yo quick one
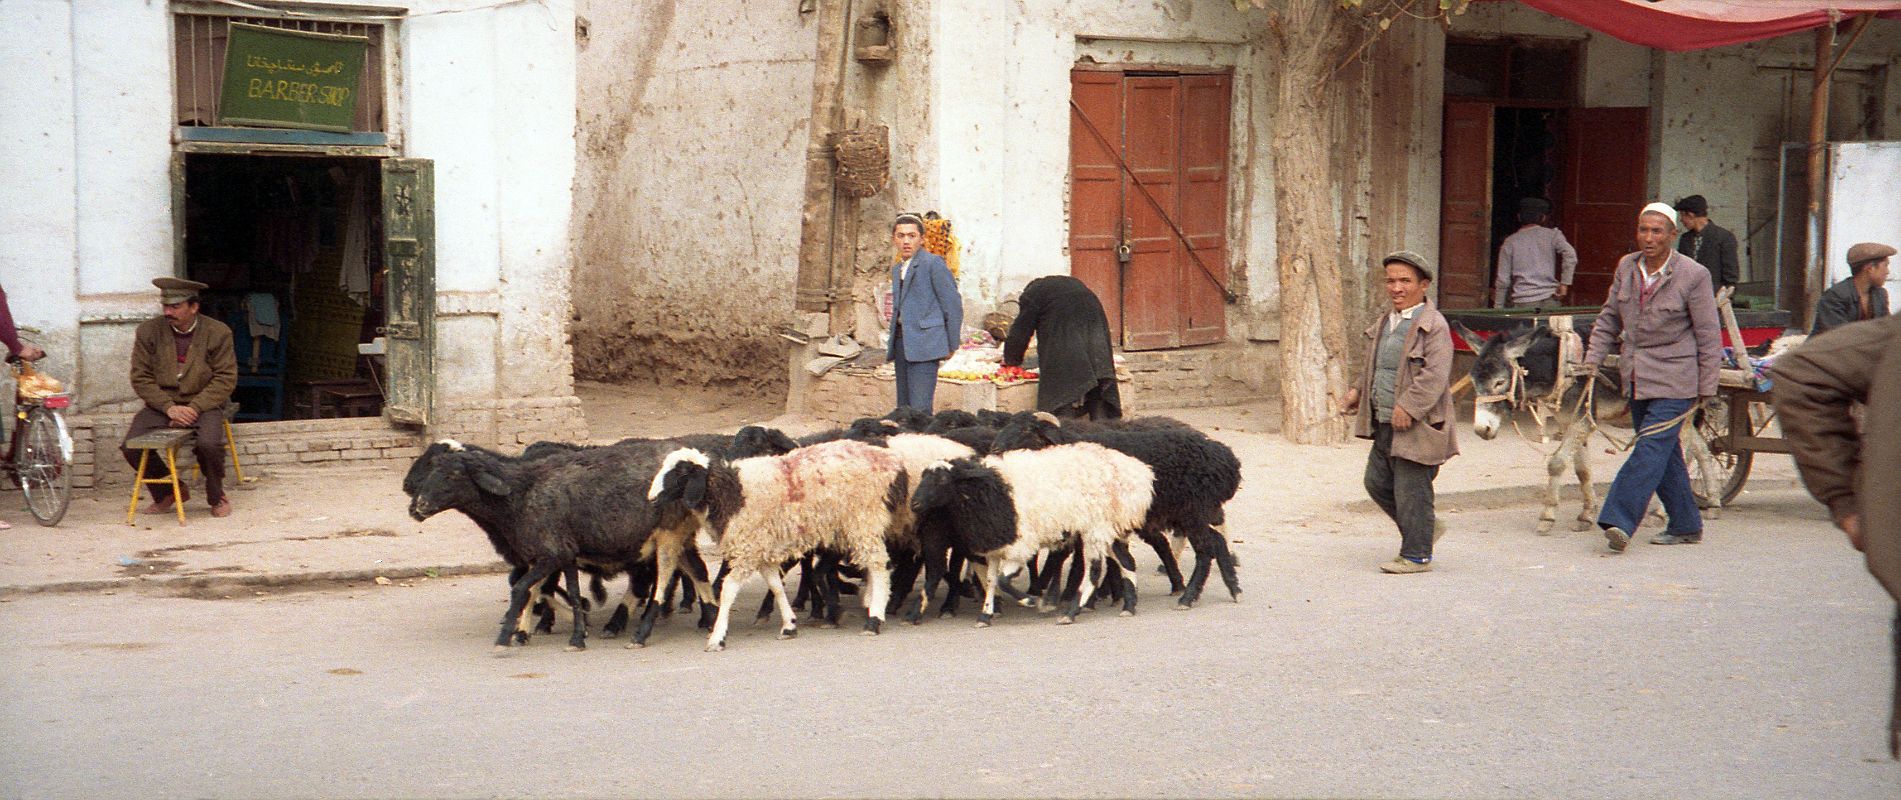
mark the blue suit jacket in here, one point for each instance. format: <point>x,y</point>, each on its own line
<point>930,312</point>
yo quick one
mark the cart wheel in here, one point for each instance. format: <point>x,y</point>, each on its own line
<point>1728,470</point>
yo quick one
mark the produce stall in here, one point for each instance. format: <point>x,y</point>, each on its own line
<point>973,379</point>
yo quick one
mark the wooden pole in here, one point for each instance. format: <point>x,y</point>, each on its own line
<point>817,215</point>
<point>1815,282</point>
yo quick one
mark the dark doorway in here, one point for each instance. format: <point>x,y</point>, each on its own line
<point>291,247</point>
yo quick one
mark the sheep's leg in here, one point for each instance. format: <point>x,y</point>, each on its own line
<point>1224,558</point>
<point>1090,567</point>
<point>903,579</point>
<point>765,603</point>
<point>955,582</point>
<point>695,566</point>
<point>1050,591</point>
<point>933,563</point>
<point>827,607</point>
<point>665,562</point>
<point>577,640</point>
<point>788,621</point>
<point>1125,562</point>
<point>1170,566</point>
<point>878,593</point>
<point>1581,463</point>
<point>518,600</point>
<point>731,580</point>
<point>1204,559</point>
<point>988,577</point>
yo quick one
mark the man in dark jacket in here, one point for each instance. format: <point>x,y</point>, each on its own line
<point>1077,376</point>
<point>1861,295</point>
<point>1707,243</point>
<point>184,369</point>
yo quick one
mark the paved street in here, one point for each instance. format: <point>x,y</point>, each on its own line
<point>1753,665</point>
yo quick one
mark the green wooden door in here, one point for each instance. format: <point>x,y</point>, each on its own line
<point>409,257</point>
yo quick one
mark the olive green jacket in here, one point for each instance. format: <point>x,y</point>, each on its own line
<point>204,381</point>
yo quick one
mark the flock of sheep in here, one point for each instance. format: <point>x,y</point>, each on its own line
<point>884,500</point>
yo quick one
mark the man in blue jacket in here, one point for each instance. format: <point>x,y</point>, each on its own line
<point>927,314</point>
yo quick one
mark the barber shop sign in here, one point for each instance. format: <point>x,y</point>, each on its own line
<point>278,78</point>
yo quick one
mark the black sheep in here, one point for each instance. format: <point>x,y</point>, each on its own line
<point>1194,477</point>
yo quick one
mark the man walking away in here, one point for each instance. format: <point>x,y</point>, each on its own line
<point>1707,243</point>
<point>1853,474</point>
<point>1535,264</point>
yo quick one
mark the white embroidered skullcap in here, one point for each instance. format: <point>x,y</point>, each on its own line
<point>1664,209</point>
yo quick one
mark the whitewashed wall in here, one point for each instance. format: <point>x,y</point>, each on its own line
<point>86,194</point>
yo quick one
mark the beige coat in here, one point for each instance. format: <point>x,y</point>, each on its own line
<point>1422,387</point>
<point>1671,346</point>
<point>210,370</point>
<point>1815,383</point>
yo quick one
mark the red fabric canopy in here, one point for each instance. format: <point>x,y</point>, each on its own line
<point>1699,24</point>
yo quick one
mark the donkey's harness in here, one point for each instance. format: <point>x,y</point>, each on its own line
<point>1551,404</point>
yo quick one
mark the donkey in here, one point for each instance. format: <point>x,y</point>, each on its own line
<point>1515,372</point>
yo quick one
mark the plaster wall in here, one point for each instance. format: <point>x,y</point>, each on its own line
<point>692,121</point>
<point>486,93</point>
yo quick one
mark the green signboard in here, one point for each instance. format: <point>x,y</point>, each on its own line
<point>278,78</point>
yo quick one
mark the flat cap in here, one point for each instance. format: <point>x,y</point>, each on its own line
<point>177,290</point>
<point>1868,251</point>
<point>1409,257</point>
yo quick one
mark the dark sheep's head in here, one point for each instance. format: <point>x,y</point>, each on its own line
<point>910,419</point>
<point>412,480</point>
<point>451,480</point>
<point>935,489</point>
<point>1033,432</point>
<point>994,419</point>
<point>754,440</point>
<point>872,429</point>
<point>952,418</point>
<point>680,485</point>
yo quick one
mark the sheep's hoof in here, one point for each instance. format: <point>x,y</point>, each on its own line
<point>983,620</point>
<point>1126,613</point>
<point>1236,594</point>
<point>574,648</point>
<point>501,650</point>
<point>1175,591</point>
<point>827,625</point>
<point>1028,602</point>
<point>788,633</point>
<point>1066,619</point>
<point>1184,605</point>
<point>521,637</point>
<point>873,626</point>
<point>636,645</point>
<point>715,647</point>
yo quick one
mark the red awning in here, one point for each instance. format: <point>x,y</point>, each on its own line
<point>1699,24</point>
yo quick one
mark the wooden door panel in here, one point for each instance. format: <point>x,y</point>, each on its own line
<point>1605,174</point>
<point>1204,206</point>
<point>1465,227</point>
<point>1151,301</point>
<point>1095,199</point>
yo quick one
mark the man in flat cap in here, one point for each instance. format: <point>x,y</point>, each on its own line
<point>1535,264</point>
<point>1708,243</point>
<point>184,369</point>
<point>1861,295</point>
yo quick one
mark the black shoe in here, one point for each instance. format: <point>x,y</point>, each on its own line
<point>1677,538</point>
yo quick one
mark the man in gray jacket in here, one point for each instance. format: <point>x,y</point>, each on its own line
<point>1660,317</point>
<point>1535,264</point>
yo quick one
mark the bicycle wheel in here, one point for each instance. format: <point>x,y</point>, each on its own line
<point>41,462</point>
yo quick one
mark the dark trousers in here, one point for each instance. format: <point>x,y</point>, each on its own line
<point>209,448</point>
<point>1403,489</point>
<point>917,380</point>
<point>1655,467</point>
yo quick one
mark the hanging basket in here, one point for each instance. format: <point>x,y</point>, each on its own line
<point>864,160</point>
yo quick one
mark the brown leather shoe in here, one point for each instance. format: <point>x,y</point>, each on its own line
<point>222,508</point>
<point>165,506</point>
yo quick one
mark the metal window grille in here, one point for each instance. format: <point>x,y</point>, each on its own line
<point>198,53</point>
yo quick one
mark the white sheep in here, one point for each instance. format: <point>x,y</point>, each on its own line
<point>762,512</point>
<point>1010,506</point>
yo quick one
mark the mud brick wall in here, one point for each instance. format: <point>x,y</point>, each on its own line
<point>510,424</point>
<point>1204,376</point>
<point>260,446</point>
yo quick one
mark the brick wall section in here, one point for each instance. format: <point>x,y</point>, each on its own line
<point>504,424</point>
<point>1223,374</point>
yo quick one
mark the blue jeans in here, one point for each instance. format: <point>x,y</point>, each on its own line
<point>1656,468</point>
<point>917,380</point>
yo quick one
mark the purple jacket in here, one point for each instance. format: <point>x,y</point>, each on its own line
<point>1669,346</point>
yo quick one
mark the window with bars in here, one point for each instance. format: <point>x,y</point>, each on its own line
<point>198,45</point>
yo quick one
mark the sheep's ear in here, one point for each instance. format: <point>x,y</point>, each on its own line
<point>780,440</point>
<point>695,491</point>
<point>490,482</point>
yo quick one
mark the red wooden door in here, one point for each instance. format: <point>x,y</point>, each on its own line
<point>1605,171</point>
<point>1170,132</point>
<point>1465,221</point>
<point>1095,189</point>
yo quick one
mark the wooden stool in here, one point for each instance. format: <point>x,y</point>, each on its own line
<point>165,442</point>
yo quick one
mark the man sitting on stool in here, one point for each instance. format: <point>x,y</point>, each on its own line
<point>184,369</point>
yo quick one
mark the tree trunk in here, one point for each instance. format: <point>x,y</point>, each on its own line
<point>1313,345</point>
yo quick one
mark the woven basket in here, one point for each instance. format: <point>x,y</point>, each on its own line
<point>864,160</point>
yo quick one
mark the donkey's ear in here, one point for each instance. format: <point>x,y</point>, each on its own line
<point>1465,334</point>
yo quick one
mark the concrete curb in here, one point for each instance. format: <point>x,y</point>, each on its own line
<point>183,584</point>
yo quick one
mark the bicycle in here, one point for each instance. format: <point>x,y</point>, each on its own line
<point>39,455</point>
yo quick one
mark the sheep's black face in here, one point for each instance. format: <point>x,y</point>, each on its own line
<point>909,419</point>
<point>681,488</point>
<point>951,418</point>
<point>754,440</point>
<point>872,430</point>
<point>934,490</point>
<point>445,487</point>
<point>412,481</point>
<point>1028,434</point>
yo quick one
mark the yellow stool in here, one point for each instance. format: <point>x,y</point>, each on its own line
<point>165,442</point>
